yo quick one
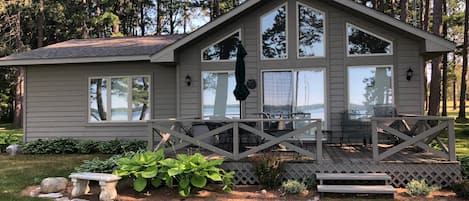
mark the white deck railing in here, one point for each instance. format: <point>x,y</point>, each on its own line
<point>417,131</point>
<point>177,133</point>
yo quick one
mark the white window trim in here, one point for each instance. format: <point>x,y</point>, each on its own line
<point>369,66</point>
<point>298,4</point>
<point>129,99</point>
<point>370,33</point>
<point>293,70</point>
<point>262,57</point>
<point>202,89</point>
<point>218,41</point>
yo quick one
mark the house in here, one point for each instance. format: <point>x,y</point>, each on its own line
<point>332,60</point>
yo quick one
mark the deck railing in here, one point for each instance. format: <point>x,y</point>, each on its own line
<point>422,132</point>
<point>179,134</point>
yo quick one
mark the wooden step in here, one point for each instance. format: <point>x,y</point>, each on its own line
<point>357,176</point>
<point>380,189</point>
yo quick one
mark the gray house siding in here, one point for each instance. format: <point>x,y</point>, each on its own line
<point>57,99</point>
<point>408,95</point>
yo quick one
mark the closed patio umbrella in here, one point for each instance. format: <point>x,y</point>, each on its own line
<point>241,91</point>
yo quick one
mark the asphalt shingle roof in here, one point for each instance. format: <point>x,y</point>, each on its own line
<point>100,47</point>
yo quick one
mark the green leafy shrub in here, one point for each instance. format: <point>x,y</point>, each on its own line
<point>419,188</point>
<point>87,147</point>
<point>293,187</point>
<point>269,169</point>
<point>194,171</point>
<point>462,189</point>
<point>464,166</point>
<point>8,139</point>
<point>102,166</point>
<point>66,146</point>
<point>143,167</point>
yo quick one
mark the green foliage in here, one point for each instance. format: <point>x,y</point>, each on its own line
<point>419,188</point>
<point>293,187</point>
<point>269,169</point>
<point>462,189</point>
<point>6,140</point>
<point>69,146</point>
<point>102,166</point>
<point>194,171</point>
<point>464,166</point>
<point>310,182</point>
<point>143,167</point>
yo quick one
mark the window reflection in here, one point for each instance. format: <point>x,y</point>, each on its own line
<point>369,87</point>
<point>140,98</point>
<point>223,50</point>
<point>310,32</point>
<point>274,34</point>
<point>362,43</point>
<point>98,100</point>
<point>218,98</point>
<point>119,98</point>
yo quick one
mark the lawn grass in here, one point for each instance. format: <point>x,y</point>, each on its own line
<point>18,172</point>
<point>7,129</point>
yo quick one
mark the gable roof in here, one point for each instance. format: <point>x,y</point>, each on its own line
<point>93,50</point>
<point>433,43</point>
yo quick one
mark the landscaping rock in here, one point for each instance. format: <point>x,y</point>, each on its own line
<point>78,199</point>
<point>263,191</point>
<point>51,195</point>
<point>53,184</point>
<point>13,149</point>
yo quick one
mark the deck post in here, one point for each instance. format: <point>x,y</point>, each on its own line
<point>236,140</point>
<point>318,142</point>
<point>374,140</point>
<point>451,140</point>
<point>151,137</point>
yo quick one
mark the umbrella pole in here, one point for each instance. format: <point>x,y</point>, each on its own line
<point>242,109</point>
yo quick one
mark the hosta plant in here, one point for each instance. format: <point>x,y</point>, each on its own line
<point>143,167</point>
<point>194,171</point>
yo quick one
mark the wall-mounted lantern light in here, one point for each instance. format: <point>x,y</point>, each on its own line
<point>410,74</point>
<point>188,80</point>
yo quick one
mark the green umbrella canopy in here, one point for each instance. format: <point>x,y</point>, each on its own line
<point>241,91</point>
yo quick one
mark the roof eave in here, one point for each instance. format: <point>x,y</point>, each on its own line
<point>30,62</point>
<point>167,54</point>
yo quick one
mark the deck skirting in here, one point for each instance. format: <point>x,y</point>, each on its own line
<point>442,174</point>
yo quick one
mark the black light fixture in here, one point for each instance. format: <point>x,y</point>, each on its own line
<point>188,80</point>
<point>410,74</point>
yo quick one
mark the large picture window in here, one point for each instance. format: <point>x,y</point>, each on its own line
<point>310,32</point>
<point>120,98</point>
<point>362,43</point>
<point>223,50</point>
<point>369,87</point>
<point>274,34</point>
<point>294,91</point>
<point>218,100</point>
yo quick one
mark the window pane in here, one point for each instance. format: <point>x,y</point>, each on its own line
<point>369,87</point>
<point>360,42</point>
<point>310,93</point>
<point>311,32</point>
<point>140,98</point>
<point>224,50</point>
<point>119,98</point>
<point>98,100</point>
<point>218,98</point>
<point>274,34</point>
<point>278,92</point>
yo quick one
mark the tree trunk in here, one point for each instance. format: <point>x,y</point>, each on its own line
<point>391,8</point>
<point>404,8</point>
<point>18,117</point>
<point>444,111</point>
<point>142,18</point>
<point>462,95</point>
<point>85,33</point>
<point>426,15</point>
<point>158,17</point>
<point>40,26</point>
<point>435,84</point>
<point>455,105</point>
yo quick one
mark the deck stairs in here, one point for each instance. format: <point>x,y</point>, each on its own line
<point>355,183</point>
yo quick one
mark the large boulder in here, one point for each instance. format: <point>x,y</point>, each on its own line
<point>13,149</point>
<point>53,184</point>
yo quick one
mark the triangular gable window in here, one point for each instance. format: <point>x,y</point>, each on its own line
<point>363,43</point>
<point>223,50</point>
